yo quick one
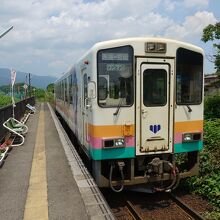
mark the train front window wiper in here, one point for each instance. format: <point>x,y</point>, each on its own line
<point>189,109</point>
<point>119,106</point>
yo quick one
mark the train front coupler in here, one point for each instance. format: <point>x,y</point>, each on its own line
<point>160,167</point>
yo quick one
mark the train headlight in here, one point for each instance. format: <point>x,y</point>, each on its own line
<point>155,47</point>
<point>161,47</point>
<point>189,137</point>
<point>151,47</point>
<point>120,142</point>
<point>113,143</point>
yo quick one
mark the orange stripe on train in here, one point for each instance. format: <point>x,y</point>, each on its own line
<point>111,130</point>
<point>188,126</point>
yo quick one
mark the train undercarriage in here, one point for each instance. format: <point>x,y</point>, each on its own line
<point>158,172</point>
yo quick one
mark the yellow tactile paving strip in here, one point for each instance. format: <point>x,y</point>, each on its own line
<point>36,206</point>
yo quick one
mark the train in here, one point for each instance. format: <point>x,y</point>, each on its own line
<point>135,107</point>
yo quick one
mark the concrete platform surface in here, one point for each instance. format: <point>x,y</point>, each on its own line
<point>46,179</point>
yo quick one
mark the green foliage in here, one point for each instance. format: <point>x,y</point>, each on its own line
<point>50,98</point>
<point>207,183</point>
<point>214,215</point>
<point>50,88</point>
<point>19,91</point>
<point>6,100</point>
<point>212,107</point>
<point>212,134</point>
<point>45,96</point>
<point>40,95</point>
<point>50,94</point>
<point>211,33</point>
<point>18,88</point>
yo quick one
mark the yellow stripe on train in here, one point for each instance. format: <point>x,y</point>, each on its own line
<point>188,126</point>
<point>111,130</point>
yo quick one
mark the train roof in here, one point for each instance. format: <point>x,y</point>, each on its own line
<point>131,41</point>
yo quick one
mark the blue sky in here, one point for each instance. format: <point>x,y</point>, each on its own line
<point>49,35</point>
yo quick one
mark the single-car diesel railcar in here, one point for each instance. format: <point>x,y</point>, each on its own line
<point>134,105</point>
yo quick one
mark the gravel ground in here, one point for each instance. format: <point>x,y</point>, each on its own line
<point>156,206</point>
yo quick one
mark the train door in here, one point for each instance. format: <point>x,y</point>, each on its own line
<point>155,110</point>
<point>85,110</point>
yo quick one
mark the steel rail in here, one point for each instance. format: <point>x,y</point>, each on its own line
<point>194,214</point>
<point>133,211</point>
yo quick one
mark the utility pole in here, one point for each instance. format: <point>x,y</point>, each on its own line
<point>25,87</point>
<point>29,75</point>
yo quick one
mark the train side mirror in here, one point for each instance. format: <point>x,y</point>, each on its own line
<point>91,90</point>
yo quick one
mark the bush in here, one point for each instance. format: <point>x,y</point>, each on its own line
<point>207,183</point>
<point>6,100</point>
<point>212,107</point>
<point>49,96</point>
<point>40,95</point>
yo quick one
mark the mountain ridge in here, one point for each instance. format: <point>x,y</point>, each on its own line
<point>36,80</point>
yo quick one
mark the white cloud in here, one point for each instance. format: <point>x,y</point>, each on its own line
<point>192,27</point>
<point>49,35</point>
<point>198,21</point>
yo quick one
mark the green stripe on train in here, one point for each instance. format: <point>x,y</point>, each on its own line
<point>113,153</point>
<point>188,147</point>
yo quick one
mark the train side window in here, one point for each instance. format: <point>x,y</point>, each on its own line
<point>103,88</point>
<point>85,82</point>
<point>65,90</point>
<point>62,90</point>
<point>70,89</point>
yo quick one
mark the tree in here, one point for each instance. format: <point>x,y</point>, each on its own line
<point>212,33</point>
<point>50,87</point>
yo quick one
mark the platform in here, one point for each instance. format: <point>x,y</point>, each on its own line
<point>46,179</point>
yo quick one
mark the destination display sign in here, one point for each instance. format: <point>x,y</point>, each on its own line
<point>116,67</point>
<point>115,56</point>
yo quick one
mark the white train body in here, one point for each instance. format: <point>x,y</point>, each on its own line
<point>134,100</point>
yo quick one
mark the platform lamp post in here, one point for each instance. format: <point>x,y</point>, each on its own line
<point>13,75</point>
<point>4,33</point>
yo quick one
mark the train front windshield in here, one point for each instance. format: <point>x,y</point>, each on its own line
<point>189,77</point>
<point>115,77</point>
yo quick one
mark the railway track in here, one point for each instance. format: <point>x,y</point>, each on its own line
<point>189,211</point>
<point>133,211</point>
<point>192,214</point>
<point>137,206</point>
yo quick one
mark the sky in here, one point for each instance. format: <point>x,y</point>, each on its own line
<point>50,35</point>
